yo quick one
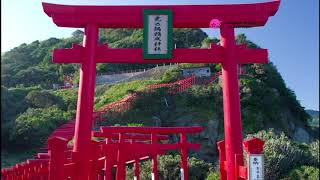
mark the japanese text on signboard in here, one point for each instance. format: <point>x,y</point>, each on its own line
<point>256,167</point>
<point>158,34</point>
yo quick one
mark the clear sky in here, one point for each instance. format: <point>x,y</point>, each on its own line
<point>292,35</point>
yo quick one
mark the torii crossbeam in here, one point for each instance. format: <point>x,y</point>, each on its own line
<point>183,16</point>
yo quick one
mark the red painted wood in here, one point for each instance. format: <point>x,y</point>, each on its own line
<point>184,156</point>
<point>222,158</point>
<point>121,153</point>
<point>137,169</point>
<point>129,136</point>
<point>231,101</point>
<point>154,157</point>
<point>83,126</point>
<point>56,152</point>
<point>239,15</point>
<point>76,54</point>
<point>253,145</point>
<point>121,169</point>
<point>149,130</point>
<point>93,17</point>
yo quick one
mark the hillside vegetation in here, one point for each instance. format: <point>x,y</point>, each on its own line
<point>31,109</point>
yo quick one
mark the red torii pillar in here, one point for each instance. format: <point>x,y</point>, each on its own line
<point>83,126</point>
<point>93,17</point>
<point>231,99</point>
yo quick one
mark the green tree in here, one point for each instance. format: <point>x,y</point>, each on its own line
<point>43,99</point>
<point>78,34</point>
<point>34,126</point>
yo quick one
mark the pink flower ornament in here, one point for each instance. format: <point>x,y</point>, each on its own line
<point>215,23</point>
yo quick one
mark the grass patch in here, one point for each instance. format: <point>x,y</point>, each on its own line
<point>118,91</point>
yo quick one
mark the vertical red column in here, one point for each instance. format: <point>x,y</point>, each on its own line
<point>154,174</point>
<point>136,170</point>
<point>136,166</point>
<point>121,164</point>
<point>231,100</point>
<point>82,137</point>
<point>184,157</point>
<point>57,147</point>
<point>108,162</point>
<point>222,158</point>
<point>95,152</point>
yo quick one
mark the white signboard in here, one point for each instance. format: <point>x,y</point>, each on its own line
<point>157,33</point>
<point>182,174</point>
<point>255,167</point>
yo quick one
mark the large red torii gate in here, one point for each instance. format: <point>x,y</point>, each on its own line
<point>184,16</point>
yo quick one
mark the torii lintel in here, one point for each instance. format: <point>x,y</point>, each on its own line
<point>77,54</point>
<point>191,16</point>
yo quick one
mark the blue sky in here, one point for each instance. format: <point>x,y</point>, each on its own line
<point>291,36</point>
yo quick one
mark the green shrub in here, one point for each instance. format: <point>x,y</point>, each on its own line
<point>171,75</point>
<point>192,65</point>
<point>314,153</point>
<point>213,176</point>
<point>169,168</point>
<point>280,154</point>
<point>197,96</point>
<point>135,124</point>
<point>43,99</point>
<point>303,173</point>
<point>69,97</point>
<point>35,125</point>
<point>101,89</point>
<point>198,169</point>
<point>12,104</point>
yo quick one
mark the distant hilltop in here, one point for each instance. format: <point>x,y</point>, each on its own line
<point>313,113</point>
<point>314,117</point>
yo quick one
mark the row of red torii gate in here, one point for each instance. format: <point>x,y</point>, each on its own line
<point>124,145</point>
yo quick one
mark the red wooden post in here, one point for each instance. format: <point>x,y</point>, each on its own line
<point>30,169</point>
<point>136,166</point>
<point>4,173</point>
<point>154,174</point>
<point>82,136</point>
<point>25,170</point>
<point>238,158</point>
<point>9,173</point>
<point>12,173</point>
<point>94,160</point>
<point>184,157</point>
<point>18,171</point>
<point>107,163</point>
<point>222,158</point>
<point>136,169</point>
<point>231,100</point>
<point>121,165</point>
<point>57,147</point>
